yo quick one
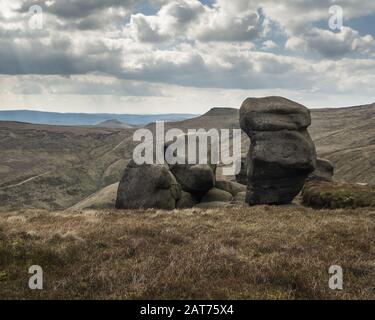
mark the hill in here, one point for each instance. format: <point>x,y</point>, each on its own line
<point>56,167</point>
<point>346,136</point>
<point>113,124</point>
<point>85,119</point>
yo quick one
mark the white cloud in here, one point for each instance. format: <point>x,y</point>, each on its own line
<point>182,52</point>
<point>172,20</point>
<point>333,44</point>
<point>296,44</point>
<point>219,24</point>
<point>194,21</point>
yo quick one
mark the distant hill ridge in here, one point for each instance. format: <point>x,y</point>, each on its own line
<point>221,112</point>
<point>86,119</point>
<point>113,124</point>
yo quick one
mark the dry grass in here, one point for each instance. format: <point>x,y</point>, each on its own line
<point>238,253</point>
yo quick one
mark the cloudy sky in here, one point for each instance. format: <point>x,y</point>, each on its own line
<point>183,56</point>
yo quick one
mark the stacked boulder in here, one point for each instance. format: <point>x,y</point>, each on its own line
<point>179,185</point>
<point>282,153</point>
<point>195,179</point>
<point>324,171</point>
<point>224,194</point>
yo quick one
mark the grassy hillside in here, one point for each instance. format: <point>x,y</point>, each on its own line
<point>347,137</point>
<point>55,167</point>
<point>260,252</point>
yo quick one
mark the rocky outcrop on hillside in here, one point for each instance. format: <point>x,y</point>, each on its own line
<point>173,186</point>
<point>282,154</point>
<point>280,158</point>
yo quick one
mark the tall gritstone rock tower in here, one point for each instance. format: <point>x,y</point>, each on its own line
<point>282,153</point>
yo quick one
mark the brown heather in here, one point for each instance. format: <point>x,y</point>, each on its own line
<point>233,253</point>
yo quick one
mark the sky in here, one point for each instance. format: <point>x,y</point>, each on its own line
<point>184,56</point>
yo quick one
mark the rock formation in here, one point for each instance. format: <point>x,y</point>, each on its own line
<point>187,200</point>
<point>241,177</point>
<point>217,195</point>
<point>194,178</point>
<point>324,171</point>
<point>282,154</point>
<point>166,186</point>
<point>280,158</point>
<point>147,186</point>
<point>240,197</point>
<point>232,187</point>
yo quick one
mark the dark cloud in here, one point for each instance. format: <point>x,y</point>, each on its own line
<point>56,58</point>
<point>76,85</point>
<point>240,72</point>
<point>75,9</point>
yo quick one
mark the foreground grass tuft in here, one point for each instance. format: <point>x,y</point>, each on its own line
<point>232,253</point>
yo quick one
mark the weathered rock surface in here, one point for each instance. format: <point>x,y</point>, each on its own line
<point>324,171</point>
<point>186,201</point>
<point>215,195</point>
<point>241,177</point>
<point>147,186</point>
<point>240,197</point>
<point>229,186</point>
<point>273,114</point>
<point>193,178</point>
<point>281,154</point>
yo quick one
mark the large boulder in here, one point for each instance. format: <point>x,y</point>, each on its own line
<point>196,178</point>
<point>273,114</point>
<point>147,186</point>
<point>229,186</point>
<point>282,153</point>
<point>186,201</point>
<point>324,171</point>
<point>217,195</point>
